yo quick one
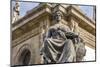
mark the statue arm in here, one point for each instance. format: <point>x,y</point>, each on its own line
<point>71,35</point>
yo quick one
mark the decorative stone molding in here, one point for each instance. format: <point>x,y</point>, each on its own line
<point>25,37</point>
<point>82,20</point>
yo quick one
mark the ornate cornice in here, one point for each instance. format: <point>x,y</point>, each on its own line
<point>25,37</point>
<point>41,9</point>
<point>82,19</point>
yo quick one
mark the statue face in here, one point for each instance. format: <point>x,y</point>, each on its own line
<point>58,16</point>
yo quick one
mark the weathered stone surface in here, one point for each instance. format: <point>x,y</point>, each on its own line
<point>27,31</point>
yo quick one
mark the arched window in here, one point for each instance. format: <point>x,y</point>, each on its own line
<point>25,56</point>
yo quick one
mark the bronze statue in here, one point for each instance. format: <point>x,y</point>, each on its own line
<point>60,42</point>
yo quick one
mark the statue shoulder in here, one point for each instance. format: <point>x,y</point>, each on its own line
<point>53,27</point>
<point>65,26</point>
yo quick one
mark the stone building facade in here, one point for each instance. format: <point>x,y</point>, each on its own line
<point>27,31</point>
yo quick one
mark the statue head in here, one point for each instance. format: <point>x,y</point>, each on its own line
<point>58,16</point>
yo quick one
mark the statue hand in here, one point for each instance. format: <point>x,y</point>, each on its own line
<point>71,35</point>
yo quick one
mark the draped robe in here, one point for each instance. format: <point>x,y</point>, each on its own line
<point>57,48</point>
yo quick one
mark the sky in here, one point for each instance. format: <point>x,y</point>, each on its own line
<point>88,10</point>
<point>26,6</point>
